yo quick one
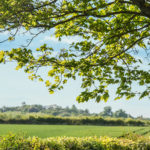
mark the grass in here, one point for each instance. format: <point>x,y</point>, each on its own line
<point>44,131</point>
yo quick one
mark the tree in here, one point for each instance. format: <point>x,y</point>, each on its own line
<point>107,112</point>
<point>121,113</point>
<point>110,33</point>
<point>74,109</point>
<point>23,103</point>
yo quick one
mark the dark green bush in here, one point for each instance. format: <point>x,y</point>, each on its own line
<point>47,119</point>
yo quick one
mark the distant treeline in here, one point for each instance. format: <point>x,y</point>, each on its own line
<point>53,110</point>
<point>37,118</point>
<point>56,110</point>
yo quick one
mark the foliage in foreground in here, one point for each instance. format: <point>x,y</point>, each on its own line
<point>15,142</point>
<point>38,118</point>
<point>110,33</point>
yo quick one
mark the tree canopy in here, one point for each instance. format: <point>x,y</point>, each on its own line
<point>112,34</point>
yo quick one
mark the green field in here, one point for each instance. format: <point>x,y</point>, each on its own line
<point>44,131</point>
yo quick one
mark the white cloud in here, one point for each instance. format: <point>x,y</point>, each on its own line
<point>65,40</point>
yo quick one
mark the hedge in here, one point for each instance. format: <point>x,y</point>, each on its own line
<point>14,142</point>
<point>46,119</point>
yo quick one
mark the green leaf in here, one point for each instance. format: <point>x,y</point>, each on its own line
<point>47,82</point>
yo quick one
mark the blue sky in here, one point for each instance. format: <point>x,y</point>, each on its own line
<point>15,87</point>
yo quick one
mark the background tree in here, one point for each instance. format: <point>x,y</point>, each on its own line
<point>121,113</point>
<point>107,112</point>
<point>23,103</point>
<point>110,34</point>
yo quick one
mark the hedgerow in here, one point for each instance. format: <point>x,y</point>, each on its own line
<point>37,118</point>
<point>15,142</point>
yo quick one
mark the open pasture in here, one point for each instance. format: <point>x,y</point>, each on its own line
<point>44,131</point>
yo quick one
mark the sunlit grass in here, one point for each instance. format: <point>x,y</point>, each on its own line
<point>44,131</point>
